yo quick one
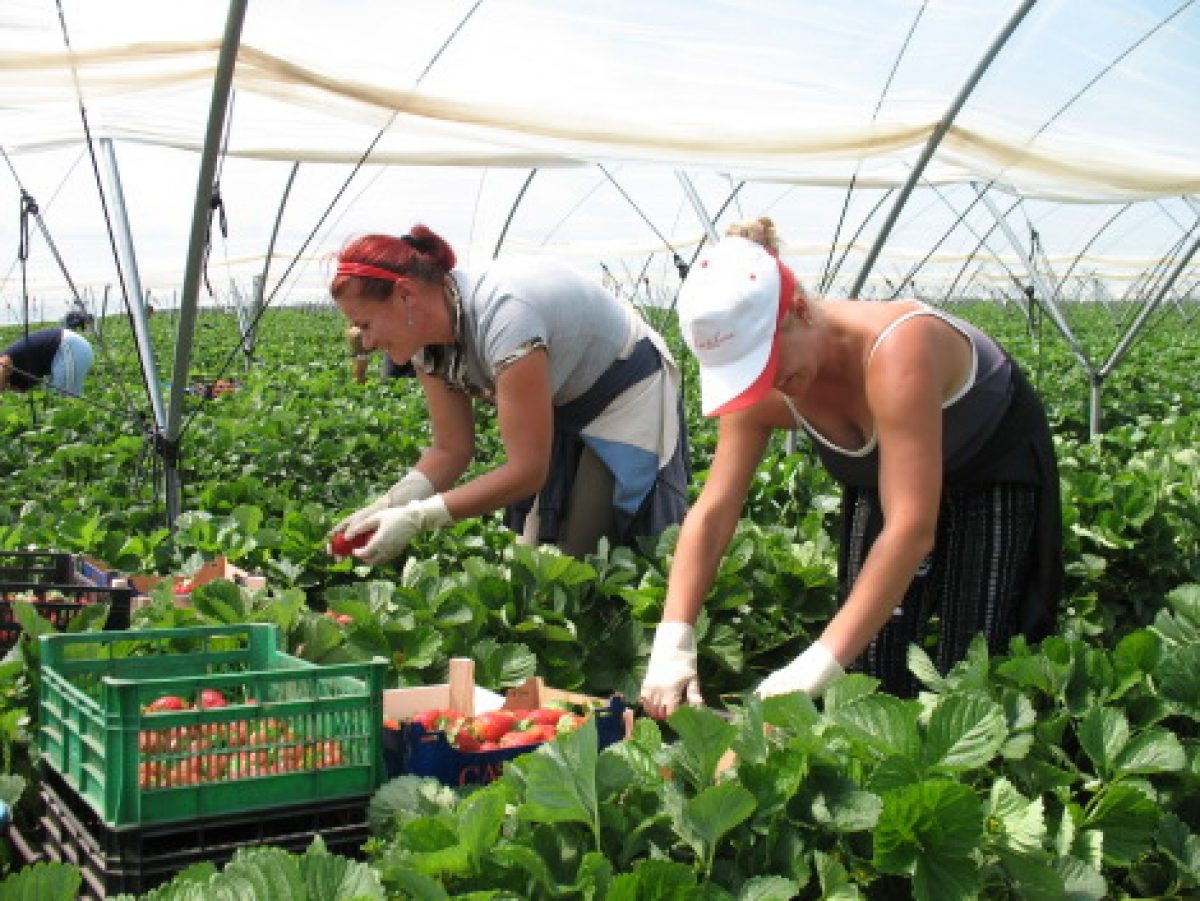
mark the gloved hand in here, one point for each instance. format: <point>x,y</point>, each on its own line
<point>671,675</point>
<point>809,673</point>
<point>413,487</point>
<point>395,527</point>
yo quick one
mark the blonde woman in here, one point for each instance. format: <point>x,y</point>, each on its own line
<point>950,487</point>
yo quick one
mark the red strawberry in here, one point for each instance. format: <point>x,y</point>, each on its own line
<point>465,741</point>
<point>547,716</point>
<point>519,739</point>
<point>210,697</point>
<point>341,546</point>
<point>429,720</point>
<point>492,725</point>
<point>165,703</point>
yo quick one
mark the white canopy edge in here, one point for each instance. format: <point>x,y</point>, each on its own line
<point>154,93</point>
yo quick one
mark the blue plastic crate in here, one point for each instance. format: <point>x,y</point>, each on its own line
<point>414,750</point>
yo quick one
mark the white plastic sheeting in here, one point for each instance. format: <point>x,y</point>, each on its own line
<point>1088,103</point>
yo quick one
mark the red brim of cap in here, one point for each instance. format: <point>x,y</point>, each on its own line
<point>759,388</point>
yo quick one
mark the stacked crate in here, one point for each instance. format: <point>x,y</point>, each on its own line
<point>59,586</point>
<point>133,796</point>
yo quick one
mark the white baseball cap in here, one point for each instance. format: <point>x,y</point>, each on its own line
<point>730,306</point>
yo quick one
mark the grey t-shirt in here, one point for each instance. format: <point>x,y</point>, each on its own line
<point>517,303</point>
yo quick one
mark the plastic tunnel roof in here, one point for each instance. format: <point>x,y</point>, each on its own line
<point>1087,115</point>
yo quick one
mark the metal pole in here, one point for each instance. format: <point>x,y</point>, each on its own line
<point>1123,346</point>
<point>125,248</point>
<point>260,282</point>
<point>222,83</point>
<point>512,213</point>
<point>935,139</point>
<point>694,199</point>
<point>1046,294</point>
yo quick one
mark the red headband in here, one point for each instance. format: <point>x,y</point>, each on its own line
<point>365,270</point>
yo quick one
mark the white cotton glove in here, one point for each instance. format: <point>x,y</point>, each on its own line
<point>395,527</point>
<point>413,487</point>
<point>809,673</point>
<point>671,675</point>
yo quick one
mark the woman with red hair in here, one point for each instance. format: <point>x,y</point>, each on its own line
<point>586,396</point>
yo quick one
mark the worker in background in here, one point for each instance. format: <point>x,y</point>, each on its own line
<point>57,357</point>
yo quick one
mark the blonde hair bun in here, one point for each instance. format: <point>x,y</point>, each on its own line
<point>761,231</point>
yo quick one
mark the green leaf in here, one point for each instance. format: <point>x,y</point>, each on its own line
<point>1033,877</point>
<point>965,730</point>
<point>559,779</point>
<point>835,881</point>
<point>1081,882</point>
<point>1181,624</point>
<point>222,601</point>
<point>794,712</point>
<point>416,886</point>
<point>838,803</point>
<point>921,666</point>
<point>768,888</point>
<point>264,872</point>
<point>933,823</point>
<point>1015,823</point>
<point>1102,735</point>
<point>848,689</point>
<point>480,819</point>
<point>894,772</point>
<point>724,644</point>
<point>1021,719</point>
<point>42,882</point>
<point>1154,750</point>
<point>333,876</point>
<point>503,665</point>
<point>527,860</point>
<point>704,820</point>
<point>704,739</point>
<point>1128,821</point>
<point>1178,842</point>
<point>883,723</point>
<point>1178,676</point>
<point>660,880</point>
<point>12,786</point>
<point>941,878</point>
<point>405,798</point>
<point>775,781</point>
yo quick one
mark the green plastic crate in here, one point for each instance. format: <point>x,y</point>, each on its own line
<point>293,731</point>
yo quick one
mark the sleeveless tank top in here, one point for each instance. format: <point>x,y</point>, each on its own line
<point>969,416</point>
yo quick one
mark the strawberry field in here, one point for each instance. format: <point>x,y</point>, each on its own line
<point>1069,769</point>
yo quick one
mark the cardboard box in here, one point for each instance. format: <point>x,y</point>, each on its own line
<point>460,693</point>
<point>217,568</point>
<point>411,749</point>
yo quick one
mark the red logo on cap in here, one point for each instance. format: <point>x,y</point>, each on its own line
<point>715,341</point>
